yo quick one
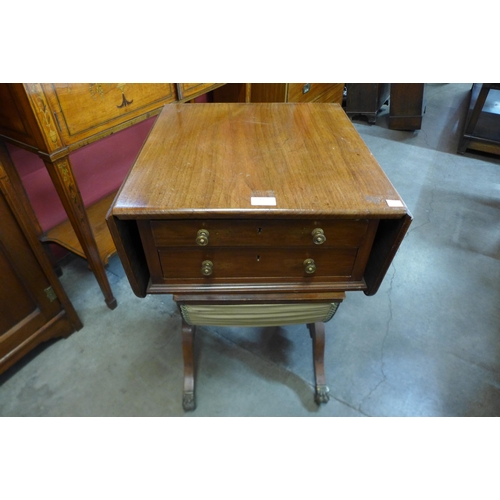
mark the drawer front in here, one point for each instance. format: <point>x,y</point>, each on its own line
<point>310,92</point>
<point>83,108</point>
<point>259,233</point>
<point>190,90</point>
<point>256,263</point>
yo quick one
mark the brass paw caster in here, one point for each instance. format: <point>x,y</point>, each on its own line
<point>188,401</point>
<point>321,395</point>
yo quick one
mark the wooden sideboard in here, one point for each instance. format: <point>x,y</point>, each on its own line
<point>366,99</point>
<point>280,92</point>
<point>406,103</point>
<point>54,120</point>
<point>407,106</point>
<point>33,305</point>
<point>242,205</point>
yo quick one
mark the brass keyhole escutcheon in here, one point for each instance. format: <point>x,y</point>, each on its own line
<point>309,266</point>
<point>318,236</point>
<point>202,238</point>
<point>207,267</point>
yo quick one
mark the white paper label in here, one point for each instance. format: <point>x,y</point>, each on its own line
<point>263,200</point>
<point>395,203</point>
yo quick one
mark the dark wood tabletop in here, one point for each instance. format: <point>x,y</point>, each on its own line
<point>218,160</point>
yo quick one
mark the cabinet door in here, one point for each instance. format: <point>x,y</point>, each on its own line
<point>366,98</point>
<point>407,106</point>
<point>31,303</point>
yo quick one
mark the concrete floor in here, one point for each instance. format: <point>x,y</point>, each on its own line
<point>427,344</point>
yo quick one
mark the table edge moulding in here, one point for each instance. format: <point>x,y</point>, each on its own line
<point>256,214</point>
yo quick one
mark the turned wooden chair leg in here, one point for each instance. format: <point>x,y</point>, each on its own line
<point>317,331</point>
<point>188,399</point>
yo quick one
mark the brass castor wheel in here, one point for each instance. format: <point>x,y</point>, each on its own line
<point>188,401</point>
<point>321,395</point>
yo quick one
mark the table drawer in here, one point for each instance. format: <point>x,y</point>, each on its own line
<point>260,233</point>
<point>259,263</point>
<point>315,92</point>
<point>82,107</point>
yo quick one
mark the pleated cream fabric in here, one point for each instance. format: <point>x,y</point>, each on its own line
<point>257,314</point>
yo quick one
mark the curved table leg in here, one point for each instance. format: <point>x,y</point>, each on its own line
<point>188,399</point>
<point>317,331</point>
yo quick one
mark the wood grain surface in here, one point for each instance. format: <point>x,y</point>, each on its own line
<point>210,160</point>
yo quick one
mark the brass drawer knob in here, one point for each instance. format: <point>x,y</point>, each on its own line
<point>202,237</point>
<point>318,236</point>
<point>309,266</point>
<point>207,267</point>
